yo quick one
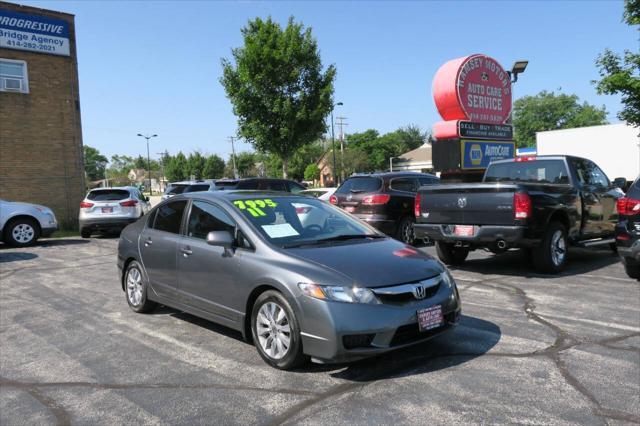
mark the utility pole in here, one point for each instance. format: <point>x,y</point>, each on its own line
<point>233,155</point>
<point>147,137</point>
<point>333,146</point>
<point>341,123</point>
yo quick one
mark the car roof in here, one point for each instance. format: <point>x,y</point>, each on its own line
<point>393,174</point>
<point>126,188</point>
<point>234,194</point>
<point>541,157</point>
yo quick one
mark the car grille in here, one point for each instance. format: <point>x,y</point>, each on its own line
<point>353,341</point>
<point>402,298</point>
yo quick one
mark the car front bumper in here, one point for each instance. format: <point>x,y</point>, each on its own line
<point>109,223</point>
<point>381,222</point>
<point>47,231</point>
<point>483,235</point>
<point>328,328</point>
<point>630,254</point>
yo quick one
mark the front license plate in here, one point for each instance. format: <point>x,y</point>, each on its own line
<point>350,209</point>
<point>107,210</point>
<point>463,230</point>
<point>430,318</point>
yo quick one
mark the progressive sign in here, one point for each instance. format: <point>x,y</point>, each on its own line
<point>34,33</point>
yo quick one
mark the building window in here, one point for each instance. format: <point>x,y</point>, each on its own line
<point>13,76</point>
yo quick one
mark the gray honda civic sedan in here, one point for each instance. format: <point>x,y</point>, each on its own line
<point>297,276</point>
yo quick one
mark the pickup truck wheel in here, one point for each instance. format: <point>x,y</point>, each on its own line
<point>551,256</point>
<point>451,255</point>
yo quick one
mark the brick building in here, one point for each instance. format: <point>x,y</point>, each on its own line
<point>41,157</point>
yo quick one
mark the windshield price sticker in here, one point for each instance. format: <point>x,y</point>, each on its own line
<point>254,207</point>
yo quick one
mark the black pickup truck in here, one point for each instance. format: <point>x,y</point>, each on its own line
<point>543,204</point>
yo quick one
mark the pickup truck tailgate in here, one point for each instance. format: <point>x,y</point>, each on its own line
<point>467,204</point>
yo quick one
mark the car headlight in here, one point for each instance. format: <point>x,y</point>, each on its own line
<point>339,293</point>
<point>447,279</point>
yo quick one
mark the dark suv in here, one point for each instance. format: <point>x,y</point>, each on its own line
<point>628,230</point>
<point>384,200</point>
<point>269,184</point>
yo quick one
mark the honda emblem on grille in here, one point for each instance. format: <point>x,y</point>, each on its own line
<point>419,292</point>
<point>462,202</point>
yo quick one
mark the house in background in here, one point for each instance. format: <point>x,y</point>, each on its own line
<point>418,160</point>
<point>325,164</point>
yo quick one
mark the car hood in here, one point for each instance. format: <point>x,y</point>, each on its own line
<point>375,263</point>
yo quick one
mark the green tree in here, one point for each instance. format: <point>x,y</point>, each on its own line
<point>94,163</point>
<point>245,164</point>
<point>304,156</point>
<point>195,165</point>
<point>176,168</point>
<point>356,160</point>
<point>620,74</point>
<point>213,167</point>
<point>278,88</point>
<point>550,111</point>
<point>312,172</point>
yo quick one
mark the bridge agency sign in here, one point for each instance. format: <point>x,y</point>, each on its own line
<point>34,33</point>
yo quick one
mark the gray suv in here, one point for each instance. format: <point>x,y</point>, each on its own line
<point>329,287</point>
<point>111,209</point>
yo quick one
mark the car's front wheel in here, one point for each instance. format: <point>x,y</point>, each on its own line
<point>275,331</point>
<point>22,232</point>
<point>136,288</point>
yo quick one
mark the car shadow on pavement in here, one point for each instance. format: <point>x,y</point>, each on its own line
<point>16,257</point>
<point>518,263</point>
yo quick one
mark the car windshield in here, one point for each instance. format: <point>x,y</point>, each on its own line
<point>176,189</point>
<point>534,171</point>
<point>229,184</point>
<point>108,195</point>
<point>313,192</point>
<point>301,221</point>
<point>360,184</point>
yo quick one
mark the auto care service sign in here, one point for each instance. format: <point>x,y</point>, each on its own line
<point>474,88</point>
<point>34,33</point>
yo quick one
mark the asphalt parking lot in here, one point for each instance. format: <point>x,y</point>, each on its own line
<point>529,349</point>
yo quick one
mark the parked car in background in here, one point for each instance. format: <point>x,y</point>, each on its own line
<point>334,290</point>
<point>628,230</point>
<point>320,193</point>
<point>21,224</point>
<point>175,188</point>
<point>543,204</point>
<point>384,200</point>
<point>270,184</point>
<point>200,186</point>
<point>111,209</point>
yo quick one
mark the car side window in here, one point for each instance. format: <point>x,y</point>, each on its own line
<point>168,217</point>
<point>152,218</point>
<point>276,185</point>
<point>205,218</point>
<point>590,174</point>
<point>403,184</point>
<point>295,188</point>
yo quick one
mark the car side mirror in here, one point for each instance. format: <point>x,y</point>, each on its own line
<point>620,182</point>
<point>220,238</point>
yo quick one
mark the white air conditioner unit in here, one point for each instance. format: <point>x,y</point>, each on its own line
<point>12,84</point>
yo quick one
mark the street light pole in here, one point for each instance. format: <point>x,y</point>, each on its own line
<point>147,137</point>
<point>333,146</point>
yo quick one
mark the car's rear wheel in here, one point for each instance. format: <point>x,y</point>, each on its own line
<point>85,233</point>
<point>136,287</point>
<point>633,271</point>
<point>406,231</point>
<point>22,232</point>
<point>551,256</point>
<point>275,331</point>
<point>451,255</point>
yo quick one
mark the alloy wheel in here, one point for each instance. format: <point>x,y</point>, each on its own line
<point>273,330</point>
<point>408,232</point>
<point>23,233</point>
<point>134,286</point>
<point>558,248</point>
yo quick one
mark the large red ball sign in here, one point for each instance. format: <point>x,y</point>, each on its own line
<point>474,88</point>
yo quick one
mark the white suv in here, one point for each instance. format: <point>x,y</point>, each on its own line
<point>21,224</point>
<point>111,209</point>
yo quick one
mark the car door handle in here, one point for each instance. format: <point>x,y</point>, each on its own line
<point>186,251</point>
<point>148,242</point>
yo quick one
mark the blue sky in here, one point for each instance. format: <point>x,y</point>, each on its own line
<point>154,66</point>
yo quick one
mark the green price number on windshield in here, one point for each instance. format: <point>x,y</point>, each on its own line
<point>255,207</point>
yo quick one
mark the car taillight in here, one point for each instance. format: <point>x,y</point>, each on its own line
<point>521,205</point>
<point>525,158</point>
<point>416,206</point>
<point>333,200</point>
<point>129,203</point>
<point>628,206</point>
<point>85,205</point>
<point>376,199</point>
